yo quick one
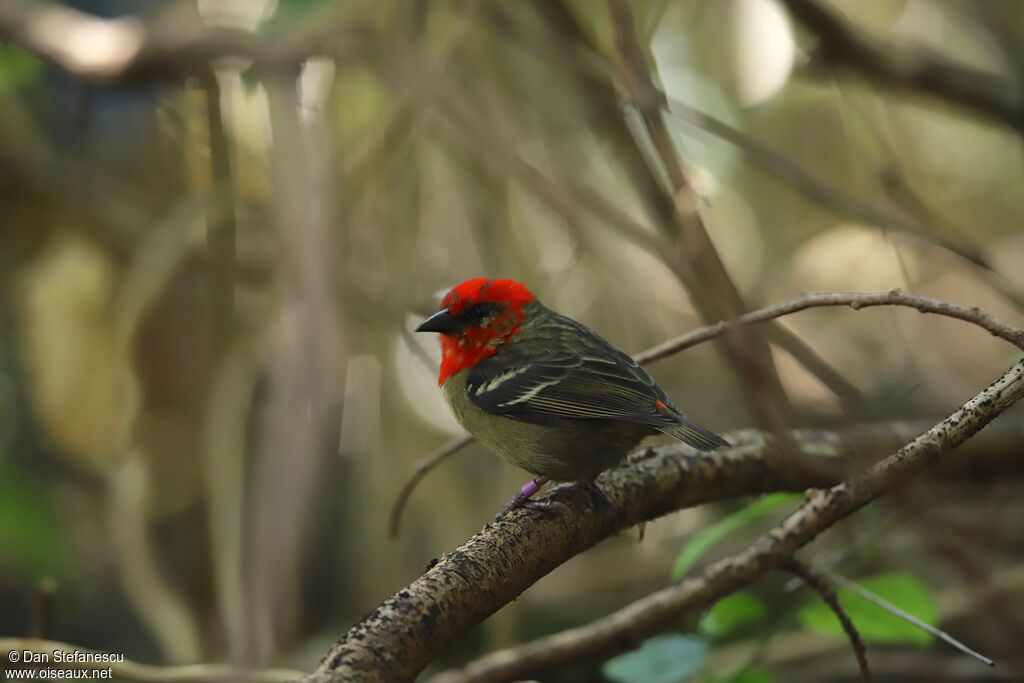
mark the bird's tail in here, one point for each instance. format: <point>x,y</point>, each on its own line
<point>692,433</point>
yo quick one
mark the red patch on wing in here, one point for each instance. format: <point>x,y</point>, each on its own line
<point>660,405</point>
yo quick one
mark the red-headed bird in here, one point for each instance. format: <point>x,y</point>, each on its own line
<point>545,392</point>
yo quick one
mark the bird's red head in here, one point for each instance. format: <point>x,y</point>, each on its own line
<point>476,317</point>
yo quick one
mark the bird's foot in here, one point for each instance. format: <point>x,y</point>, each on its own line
<point>522,499</point>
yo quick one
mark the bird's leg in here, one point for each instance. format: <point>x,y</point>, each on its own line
<point>522,499</point>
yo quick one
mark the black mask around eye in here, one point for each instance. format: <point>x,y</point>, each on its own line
<point>445,323</point>
<point>478,313</point>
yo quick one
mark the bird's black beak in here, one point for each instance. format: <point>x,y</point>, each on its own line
<point>442,322</point>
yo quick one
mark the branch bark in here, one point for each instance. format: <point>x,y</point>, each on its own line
<point>629,626</point>
<point>401,636</point>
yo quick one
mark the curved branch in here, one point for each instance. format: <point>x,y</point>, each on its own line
<point>821,587</point>
<point>855,300</point>
<point>629,626</point>
<point>423,467</point>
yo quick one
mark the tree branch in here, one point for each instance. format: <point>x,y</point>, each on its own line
<point>995,97</point>
<point>856,301</point>
<point>696,260</point>
<point>629,626</point>
<point>402,635</point>
<point>821,587</point>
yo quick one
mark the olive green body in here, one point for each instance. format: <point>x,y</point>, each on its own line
<point>572,450</point>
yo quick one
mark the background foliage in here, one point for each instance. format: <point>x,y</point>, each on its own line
<point>210,395</point>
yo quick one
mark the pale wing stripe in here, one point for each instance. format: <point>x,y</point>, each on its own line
<point>598,359</point>
<point>500,379</point>
<point>533,391</point>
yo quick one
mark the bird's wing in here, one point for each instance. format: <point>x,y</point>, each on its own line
<point>568,371</point>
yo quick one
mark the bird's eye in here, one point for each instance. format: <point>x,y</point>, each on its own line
<point>474,315</point>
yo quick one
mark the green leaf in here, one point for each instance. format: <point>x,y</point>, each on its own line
<point>875,624</point>
<point>703,541</point>
<point>730,613</point>
<point>30,532</point>
<point>745,676</point>
<point>668,658</point>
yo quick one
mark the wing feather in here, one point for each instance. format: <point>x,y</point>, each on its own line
<point>565,370</point>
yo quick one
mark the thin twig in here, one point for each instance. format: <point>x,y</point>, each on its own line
<point>421,469</point>
<point>846,204</point>
<point>854,587</point>
<point>697,261</point>
<point>124,669</point>
<point>817,584</point>
<point>855,300</point>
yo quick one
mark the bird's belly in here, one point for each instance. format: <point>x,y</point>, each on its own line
<point>571,450</point>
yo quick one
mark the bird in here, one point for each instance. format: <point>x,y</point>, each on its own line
<point>545,392</point>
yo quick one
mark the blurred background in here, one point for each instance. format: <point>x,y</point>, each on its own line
<point>213,251</point>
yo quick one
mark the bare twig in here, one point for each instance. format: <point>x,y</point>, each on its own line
<point>854,587</point>
<point>817,584</point>
<point>696,261</point>
<point>834,198</point>
<point>855,300</point>
<point>128,670</point>
<point>995,97</point>
<point>630,625</point>
<point>422,468</point>
<point>221,225</point>
<point>158,603</point>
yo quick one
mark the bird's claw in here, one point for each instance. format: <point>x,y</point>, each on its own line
<point>545,505</point>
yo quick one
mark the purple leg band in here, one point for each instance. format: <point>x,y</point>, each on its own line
<point>529,488</point>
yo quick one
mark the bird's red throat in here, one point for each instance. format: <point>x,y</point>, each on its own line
<point>474,344</point>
